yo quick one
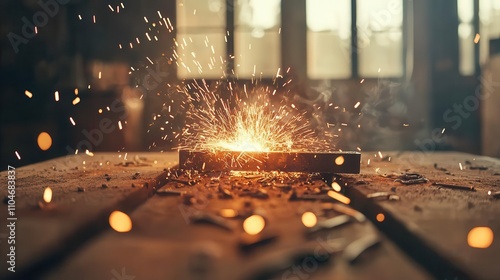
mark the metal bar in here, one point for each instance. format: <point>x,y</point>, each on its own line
<point>335,162</point>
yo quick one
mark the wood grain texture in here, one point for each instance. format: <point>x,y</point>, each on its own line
<point>44,236</point>
<point>429,223</point>
<point>437,218</point>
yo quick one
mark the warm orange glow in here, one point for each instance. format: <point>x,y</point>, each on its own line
<point>309,219</point>
<point>44,141</point>
<point>339,160</point>
<point>120,221</point>
<point>248,123</point>
<point>336,187</point>
<point>47,195</point>
<point>254,224</point>
<point>228,213</point>
<point>480,237</point>
<point>340,197</point>
<point>476,38</point>
<point>380,217</point>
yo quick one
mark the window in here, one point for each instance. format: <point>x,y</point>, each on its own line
<point>202,43</point>
<point>328,39</point>
<point>257,39</point>
<point>378,50</point>
<point>466,34</point>
<point>201,29</point>
<point>489,16</point>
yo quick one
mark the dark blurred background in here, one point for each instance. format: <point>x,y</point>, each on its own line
<point>426,72</point>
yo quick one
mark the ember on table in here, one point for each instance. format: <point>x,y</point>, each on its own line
<point>334,162</point>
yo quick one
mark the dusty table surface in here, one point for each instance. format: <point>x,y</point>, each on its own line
<point>423,235</point>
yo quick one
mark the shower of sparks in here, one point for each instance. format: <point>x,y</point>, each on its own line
<point>72,121</point>
<point>252,123</point>
<point>56,96</point>
<point>28,93</point>
<point>18,156</point>
<point>76,100</point>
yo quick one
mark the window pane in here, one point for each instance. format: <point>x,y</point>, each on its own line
<point>380,43</point>
<point>201,14</point>
<point>466,48</point>
<point>489,15</point>
<point>201,46</point>
<point>257,55</point>
<point>466,35</point>
<point>328,39</point>
<point>200,55</point>
<point>257,40</point>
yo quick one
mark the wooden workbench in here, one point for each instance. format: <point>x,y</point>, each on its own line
<point>423,235</point>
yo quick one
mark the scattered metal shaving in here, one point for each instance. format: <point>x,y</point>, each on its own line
<point>164,192</point>
<point>357,248</point>
<point>494,194</point>
<point>331,223</point>
<point>455,187</point>
<point>411,179</point>
<point>206,218</point>
<point>440,168</point>
<point>383,195</point>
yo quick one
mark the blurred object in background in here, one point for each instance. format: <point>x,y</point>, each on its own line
<point>491,92</point>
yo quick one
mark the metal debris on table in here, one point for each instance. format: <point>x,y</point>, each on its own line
<point>476,167</point>
<point>383,195</point>
<point>494,194</point>
<point>165,192</point>
<point>206,218</point>
<point>331,223</point>
<point>411,179</point>
<point>356,249</point>
<point>455,187</point>
<point>440,168</point>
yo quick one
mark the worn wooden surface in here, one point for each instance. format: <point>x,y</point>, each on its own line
<point>163,245</point>
<point>440,218</point>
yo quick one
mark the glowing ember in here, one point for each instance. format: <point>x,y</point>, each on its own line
<point>120,221</point>
<point>336,187</point>
<point>309,219</point>
<point>480,237</point>
<point>339,197</point>
<point>339,160</point>
<point>228,213</point>
<point>380,217</point>
<point>476,38</point>
<point>47,195</point>
<point>44,141</point>
<point>28,93</point>
<point>254,224</point>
